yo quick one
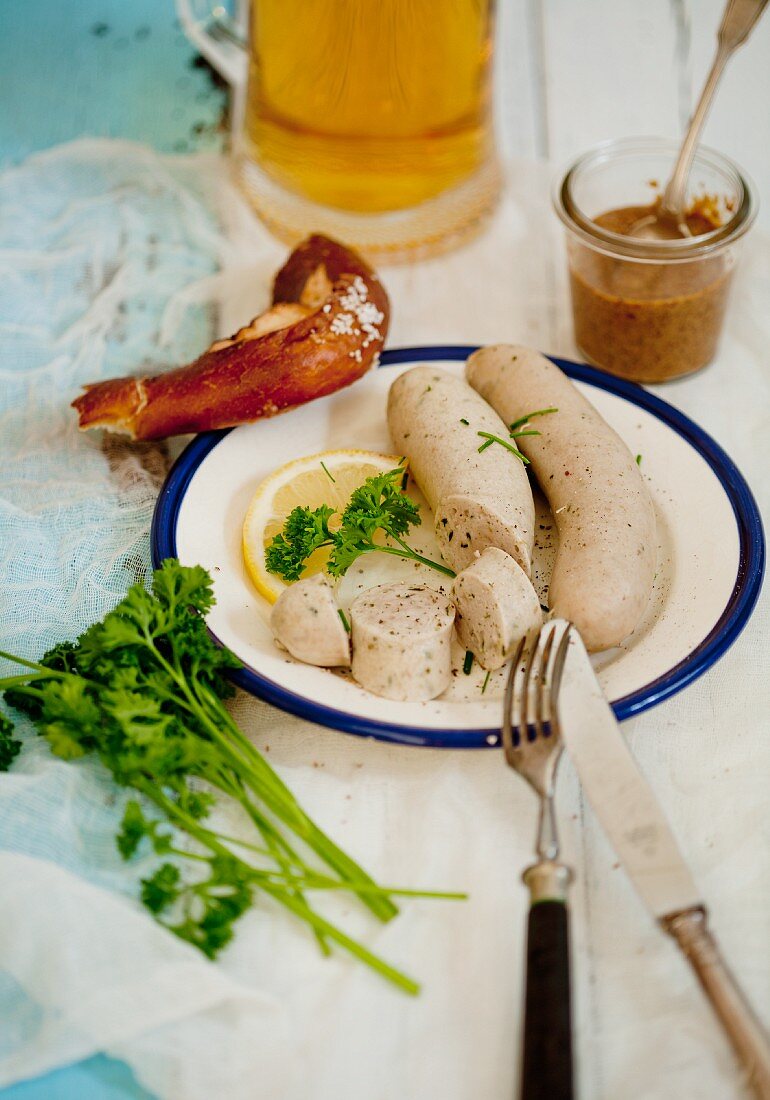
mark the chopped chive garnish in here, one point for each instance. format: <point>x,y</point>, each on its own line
<point>530,416</point>
<point>464,421</point>
<point>638,460</point>
<point>343,616</point>
<point>323,467</point>
<point>503,443</point>
<point>528,431</point>
<point>468,662</point>
<point>486,681</point>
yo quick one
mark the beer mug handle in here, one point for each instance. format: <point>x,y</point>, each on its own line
<point>221,39</point>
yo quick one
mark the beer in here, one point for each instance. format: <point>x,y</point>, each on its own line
<point>369,105</point>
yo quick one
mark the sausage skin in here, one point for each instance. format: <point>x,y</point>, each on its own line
<point>478,500</point>
<point>605,565</point>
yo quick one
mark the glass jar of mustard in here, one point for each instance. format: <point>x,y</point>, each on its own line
<point>645,308</point>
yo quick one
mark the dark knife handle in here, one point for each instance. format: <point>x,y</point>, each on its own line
<point>547,1057</point>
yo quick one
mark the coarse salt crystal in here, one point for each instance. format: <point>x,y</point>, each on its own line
<point>358,308</point>
<point>342,324</point>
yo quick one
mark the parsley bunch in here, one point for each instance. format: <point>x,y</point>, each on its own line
<point>377,509</point>
<point>143,692</point>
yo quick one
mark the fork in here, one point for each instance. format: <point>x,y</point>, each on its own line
<point>532,744</point>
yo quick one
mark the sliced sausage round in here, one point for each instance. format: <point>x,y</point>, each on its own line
<point>496,607</point>
<point>401,635</point>
<point>306,620</point>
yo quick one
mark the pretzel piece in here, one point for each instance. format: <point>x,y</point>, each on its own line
<point>326,327</point>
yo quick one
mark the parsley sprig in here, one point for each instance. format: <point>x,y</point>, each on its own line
<point>305,531</point>
<point>377,510</point>
<point>143,692</point>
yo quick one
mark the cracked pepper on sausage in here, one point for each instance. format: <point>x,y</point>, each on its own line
<point>606,559</point>
<point>401,637</point>
<point>479,499</point>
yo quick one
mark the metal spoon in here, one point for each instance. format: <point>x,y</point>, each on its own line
<point>670,217</point>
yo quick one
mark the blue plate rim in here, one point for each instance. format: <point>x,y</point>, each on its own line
<point>748,583</point>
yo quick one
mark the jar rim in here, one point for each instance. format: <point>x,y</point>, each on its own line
<point>639,248</point>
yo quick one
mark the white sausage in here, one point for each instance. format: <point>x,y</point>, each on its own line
<point>478,499</point>
<point>305,619</point>
<point>496,607</point>
<point>605,564</point>
<point>401,635</point>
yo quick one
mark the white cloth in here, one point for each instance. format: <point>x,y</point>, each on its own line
<point>86,970</point>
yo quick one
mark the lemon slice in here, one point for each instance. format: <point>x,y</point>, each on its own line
<point>326,478</point>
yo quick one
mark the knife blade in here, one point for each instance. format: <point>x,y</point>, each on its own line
<point>629,812</point>
<point>618,792</point>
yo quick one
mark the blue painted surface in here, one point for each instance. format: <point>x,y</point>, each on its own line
<point>107,68</point>
<point>102,68</point>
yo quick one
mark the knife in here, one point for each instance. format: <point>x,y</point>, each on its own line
<point>630,815</point>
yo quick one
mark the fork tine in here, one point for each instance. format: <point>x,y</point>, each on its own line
<point>541,688</point>
<point>529,722</point>
<point>507,730</point>
<point>525,715</point>
<point>558,665</point>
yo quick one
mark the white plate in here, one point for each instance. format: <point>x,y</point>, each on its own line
<point>710,557</point>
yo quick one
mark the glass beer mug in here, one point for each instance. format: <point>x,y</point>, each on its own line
<point>369,120</point>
